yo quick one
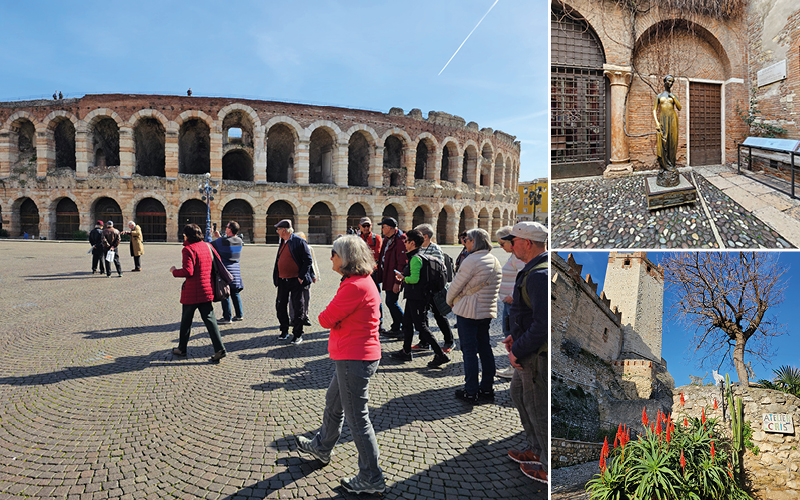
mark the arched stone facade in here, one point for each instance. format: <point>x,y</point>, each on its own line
<point>309,163</point>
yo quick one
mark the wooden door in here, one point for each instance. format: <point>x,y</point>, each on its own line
<point>705,124</point>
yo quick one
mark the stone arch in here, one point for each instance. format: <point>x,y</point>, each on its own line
<point>254,120</point>
<point>444,222</point>
<point>107,209</point>
<point>393,167</point>
<point>149,142</point>
<point>102,126</point>
<point>290,123</point>
<point>486,164</point>
<point>421,215</point>
<point>67,217</point>
<point>484,221</point>
<point>61,127</point>
<point>21,129</point>
<point>194,114</point>
<point>497,221</point>
<point>469,164</point>
<point>332,129</point>
<point>194,145</point>
<point>28,216</point>
<point>282,140</point>
<point>322,155</point>
<point>425,162</point>
<point>151,216</point>
<point>449,149</point>
<point>355,213</point>
<point>192,211</point>
<point>369,133</point>
<point>466,220</point>
<point>238,148</point>
<point>509,173</point>
<point>320,223</point>
<point>499,170</point>
<point>359,156</point>
<point>276,212</point>
<point>506,222</point>
<point>242,212</point>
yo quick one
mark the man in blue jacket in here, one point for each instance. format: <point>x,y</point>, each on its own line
<point>291,275</point>
<point>527,346</point>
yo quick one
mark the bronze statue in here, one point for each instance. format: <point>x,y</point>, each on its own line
<point>665,113</point>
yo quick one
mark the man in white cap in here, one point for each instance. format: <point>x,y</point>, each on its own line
<point>527,346</point>
<point>292,273</point>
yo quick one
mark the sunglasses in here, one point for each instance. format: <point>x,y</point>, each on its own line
<point>333,253</point>
<point>366,225</point>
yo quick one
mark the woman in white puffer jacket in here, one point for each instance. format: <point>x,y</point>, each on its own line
<point>473,297</point>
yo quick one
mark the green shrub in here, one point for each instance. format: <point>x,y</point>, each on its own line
<point>3,233</point>
<point>689,461</point>
<point>80,235</point>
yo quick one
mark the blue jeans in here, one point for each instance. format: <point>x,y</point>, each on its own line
<point>506,325</point>
<point>237,304</point>
<point>474,337</point>
<point>347,398</point>
<point>394,309</point>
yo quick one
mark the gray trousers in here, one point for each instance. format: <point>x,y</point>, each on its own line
<point>530,396</point>
<point>347,398</point>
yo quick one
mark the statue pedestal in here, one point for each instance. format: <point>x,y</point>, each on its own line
<point>615,170</point>
<point>659,197</point>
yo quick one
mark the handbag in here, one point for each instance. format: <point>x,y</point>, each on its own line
<point>440,301</point>
<point>221,278</point>
<point>110,256</point>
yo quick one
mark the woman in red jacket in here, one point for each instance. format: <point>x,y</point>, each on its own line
<point>197,291</point>
<point>353,317</point>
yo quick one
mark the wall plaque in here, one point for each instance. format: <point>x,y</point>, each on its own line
<point>777,422</point>
<point>772,74</point>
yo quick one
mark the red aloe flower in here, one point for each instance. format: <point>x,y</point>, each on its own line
<point>604,451</point>
<point>683,401</point>
<point>683,462</point>
<point>602,463</point>
<point>669,434</point>
<point>685,422</point>
<point>658,423</point>
<point>703,417</point>
<point>645,421</point>
<point>712,450</point>
<point>715,403</point>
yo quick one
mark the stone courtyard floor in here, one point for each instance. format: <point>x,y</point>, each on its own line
<point>735,211</point>
<point>93,405</point>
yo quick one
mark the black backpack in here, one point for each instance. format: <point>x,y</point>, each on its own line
<point>449,266</point>
<point>435,273</point>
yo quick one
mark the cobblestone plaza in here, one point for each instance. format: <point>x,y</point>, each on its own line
<point>93,405</point>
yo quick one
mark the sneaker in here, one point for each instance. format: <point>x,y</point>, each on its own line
<point>137,270</point>
<point>237,318</point>
<point>438,361</point>
<point>524,457</point>
<point>532,472</point>
<point>283,336</point>
<point>178,352</point>
<point>224,321</point>
<point>307,322</point>
<point>486,395</point>
<point>420,347</point>
<point>297,340</point>
<point>304,446</point>
<point>94,271</point>
<point>218,356</point>
<point>507,373</point>
<point>447,347</point>
<point>392,334</point>
<point>358,485</point>
<point>466,397</point>
<point>401,355</point>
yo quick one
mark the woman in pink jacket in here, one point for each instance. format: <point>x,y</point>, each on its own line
<point>353,317</point>
<point>197,292</point>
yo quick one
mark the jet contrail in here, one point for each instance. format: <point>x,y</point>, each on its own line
<point>470,34</point>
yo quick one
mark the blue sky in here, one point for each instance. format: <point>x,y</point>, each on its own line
<point>354,53</point>
<point>676,346</point>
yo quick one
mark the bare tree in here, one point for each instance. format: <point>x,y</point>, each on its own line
<point>725,296</point>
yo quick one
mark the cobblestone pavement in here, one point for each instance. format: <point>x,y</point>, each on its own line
<point>569,483</point>
<point>94,406</point>
<point>612,213</point>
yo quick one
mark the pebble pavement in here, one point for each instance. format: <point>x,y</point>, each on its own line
<point>93,405</point>
<point>612,213</point>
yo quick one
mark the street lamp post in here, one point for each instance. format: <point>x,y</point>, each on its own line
<point>207,189</point>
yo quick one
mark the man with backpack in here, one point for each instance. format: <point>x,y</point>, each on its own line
<point>418,289</point>
<point>527,346</point>
<point>432,250</point>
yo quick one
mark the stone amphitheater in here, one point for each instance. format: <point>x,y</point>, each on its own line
<point>66,163</point>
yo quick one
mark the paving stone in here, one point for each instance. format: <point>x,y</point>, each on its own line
<point>93,405</point>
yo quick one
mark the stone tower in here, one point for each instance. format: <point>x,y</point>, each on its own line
<point>636,286</point>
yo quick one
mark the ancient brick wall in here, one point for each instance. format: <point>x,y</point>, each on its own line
<point>86,149</point>
<point>566,452</point>
<point>774,473</point>
<point>773,31</point>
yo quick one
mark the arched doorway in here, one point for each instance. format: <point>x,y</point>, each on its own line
<point>391,211</point>
<point>242,213</point>
<point>152,218</point>
<point>441,228</point>
<point>67,219</point>
<point>358,156</point>
<point>578,98</point>
<point>192,212</point>
<point>194,147</point>
<point>149,139</point>
<point>276,212</point>
<point>106,210</point>
<point>280,154</point>
<point>319,224</point>
<point>354,215</point>
<point>418,217</point>
<point>28,218</point>
<point>237,165</point>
